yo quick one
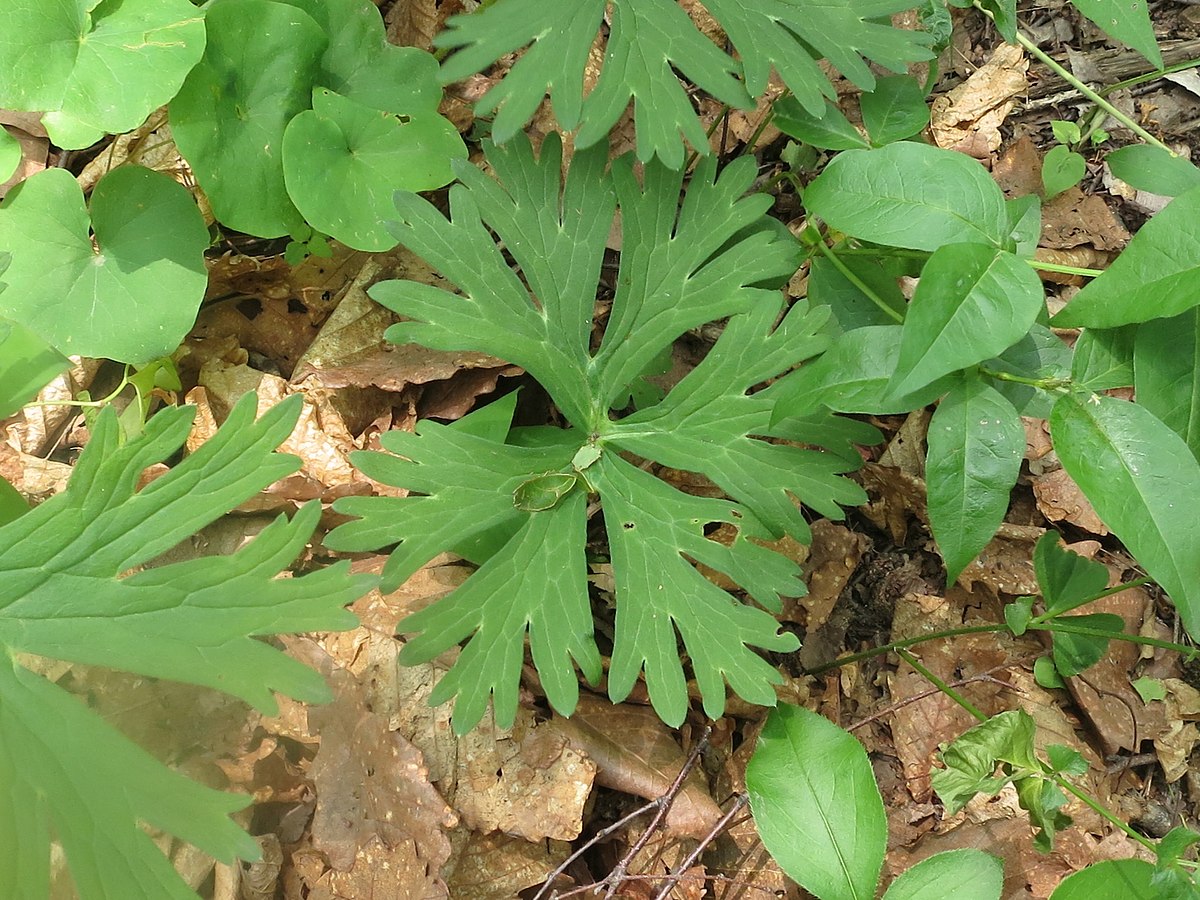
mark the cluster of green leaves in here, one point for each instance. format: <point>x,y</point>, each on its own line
<point>298,118</point>
<point>520,503</point>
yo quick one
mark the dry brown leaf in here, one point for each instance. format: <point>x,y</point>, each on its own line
<point>1059,499</point>
<point>968,118</point>
<point>372,784</point>
<point>499,867</point>
<point>833,558</point>
<point>528,782</point>
<point>1073,219</point>
<point>34,151</point>
<point>1006,564</point>
<point>636,753</point>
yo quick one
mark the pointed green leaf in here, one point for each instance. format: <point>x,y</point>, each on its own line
<point>854,376</point>
<point>910,195</point>
<point>1144,483</point>
<point>129,295</point>
<point>976,444</point>
<point>66,597</point>
<point>648,41</point>
<point>1128,22</point>
<point>1166,373</point>
<point>895,110</point>
<point>96,68</point>
<point>1110,879</point>
<point>951,875</point>
<point>816,805</point>
<point>1066,579</point>
<point>1157,275</point>
<point>1104,358</point>
<point>344,161</point>
<point>972,302</point>
<point>1153,169</point>
<point>829,130</point>
<point>229,116</point>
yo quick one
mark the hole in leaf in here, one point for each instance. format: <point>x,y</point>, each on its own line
<point>250,308</point>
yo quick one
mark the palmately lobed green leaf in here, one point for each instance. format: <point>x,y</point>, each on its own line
<point>518,509</point>
<point>648,42</point>
<point>68,594</point>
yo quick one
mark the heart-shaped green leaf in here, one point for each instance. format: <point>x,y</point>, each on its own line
<point>130,290</point>
<point>229,117</point>
<point>96,68</point>
<point>343,162</point>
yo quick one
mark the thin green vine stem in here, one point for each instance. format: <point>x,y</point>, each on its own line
<point>1045,384</point>
<point>895,646</point>
<point>1107,814</point>
<point>942,686</point>
<point>1047,60</point>
<point>858,282</point>
<point>1065,270</point>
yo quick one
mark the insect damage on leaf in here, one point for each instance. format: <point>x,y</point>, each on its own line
<point>517,505</point>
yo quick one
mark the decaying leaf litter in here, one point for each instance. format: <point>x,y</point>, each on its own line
<point>373,795</point>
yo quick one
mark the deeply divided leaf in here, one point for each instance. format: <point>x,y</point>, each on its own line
<point>67,596</point>
<point>683,265</point>
<point>648,41</point>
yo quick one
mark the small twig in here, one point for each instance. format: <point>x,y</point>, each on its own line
<point>673,879</point>
<point>618,873</point>
<point>662,804</point>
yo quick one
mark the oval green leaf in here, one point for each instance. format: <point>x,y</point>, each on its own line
<point>1144,483</point>
<point>1126,20</point>
<point>1158,274</point>
<point>816,804</point>
<point>134,295</point>
<point>910,195</point>
<point>976,443</point>
<point>543,492</point>
<point>973,302</point>
<point>952,875</point>
<point>343,162</point>
<point>96,68</point>
<point>1062,168</point>
<point>229,117</point>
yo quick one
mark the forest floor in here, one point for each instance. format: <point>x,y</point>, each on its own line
<point>373,796</point>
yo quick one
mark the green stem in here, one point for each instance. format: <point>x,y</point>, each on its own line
<point>1066,270</point>
<point>899,645</point>
<point>97,404</point>
<point>1060,625</point>
<point>1104,812</point>
<point>1045,384</point>
<point>942,686</point>
<point>858,282</point>
<point>1070,79</point>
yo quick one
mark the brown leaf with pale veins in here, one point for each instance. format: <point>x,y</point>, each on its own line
<point>636,753</point>
<point>968,118</point>
<point>498,867</point>
<point>371,785</point>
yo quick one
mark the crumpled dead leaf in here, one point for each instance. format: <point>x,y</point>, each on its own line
<point>636,753</point>
<point>968,118</point>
